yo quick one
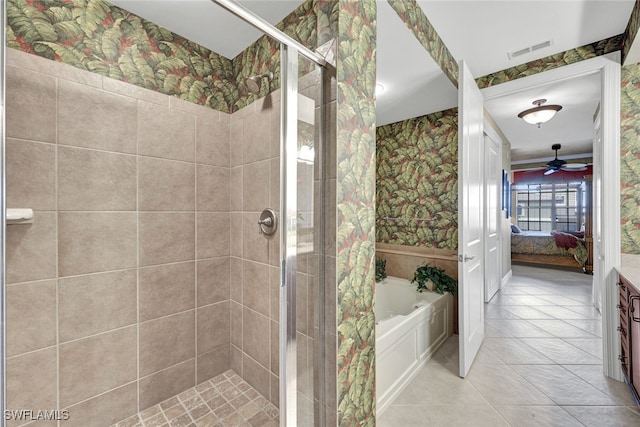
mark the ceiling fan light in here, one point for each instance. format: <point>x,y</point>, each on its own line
<point>539,114</point>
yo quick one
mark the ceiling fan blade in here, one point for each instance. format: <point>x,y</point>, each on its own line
<point>550,171</point>
<point>577,167</point>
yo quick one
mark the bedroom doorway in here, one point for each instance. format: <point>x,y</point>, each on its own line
<point>606,192</point>
<point>551,221</point>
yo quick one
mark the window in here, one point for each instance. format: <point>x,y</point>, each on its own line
<point>552,206</point>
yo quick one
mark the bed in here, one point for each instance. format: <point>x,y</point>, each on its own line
<point>555,248</point>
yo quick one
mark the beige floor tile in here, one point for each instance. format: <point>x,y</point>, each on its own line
<point>531,290</point>
<point>440,384</point>
<point>565,301</point>
<point>563,313</point>
<point>564,328</point>
<point>515,351</point>
<point>499,312</point>
<point>512,290</point>
<point>408,397</point>
<point>518,328</point>
<point>503,386</point>
<point>560,351</point>
<point>466,415</point>
<point>402,415</point>
<point>588,311</point>
<point>485,356</point>
<point>529,300</point>
<point>537,416</point>
<point>594,376</point>
<point>605,416</point>
<point>593,346</point>
<point>562,386</point>
<point>593,326</point>
<point>526,312</point>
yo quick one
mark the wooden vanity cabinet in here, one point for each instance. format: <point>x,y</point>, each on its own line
<point>629,309</point>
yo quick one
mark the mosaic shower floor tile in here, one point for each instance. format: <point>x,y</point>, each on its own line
<point>223,401</point>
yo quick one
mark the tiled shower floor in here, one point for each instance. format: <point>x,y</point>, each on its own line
<point>226,400</point>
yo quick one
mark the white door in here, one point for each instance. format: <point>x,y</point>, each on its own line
<point>470,218</point>
<point>492,185</point>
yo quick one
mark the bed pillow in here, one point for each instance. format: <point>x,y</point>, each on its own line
<point>515,229</point>
<point>564,240</point>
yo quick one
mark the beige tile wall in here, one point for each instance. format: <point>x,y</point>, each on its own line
<point>118,294</point>
<point>254,260</point>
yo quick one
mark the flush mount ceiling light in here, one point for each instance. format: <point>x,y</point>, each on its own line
<point>540,113</point>
<point>379,88</point>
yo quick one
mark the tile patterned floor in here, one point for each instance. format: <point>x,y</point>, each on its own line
<point>226,400</point>
<point>540,365</point>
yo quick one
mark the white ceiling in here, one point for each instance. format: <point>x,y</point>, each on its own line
<point>207,23</point>
<point>482,31</point>
<point>572,126</point>
<point>479,31</point>
<point>414,84</point>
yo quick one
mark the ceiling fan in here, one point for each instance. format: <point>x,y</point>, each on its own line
<point>558,164</point>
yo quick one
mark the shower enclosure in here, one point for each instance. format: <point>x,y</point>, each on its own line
<point>149,276</point>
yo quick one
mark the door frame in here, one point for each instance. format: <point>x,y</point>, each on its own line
<point>609,68</point>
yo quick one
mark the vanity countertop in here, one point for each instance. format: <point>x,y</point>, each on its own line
<point>632,274</point>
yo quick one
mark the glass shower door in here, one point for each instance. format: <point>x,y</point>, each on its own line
<point>302,326</point>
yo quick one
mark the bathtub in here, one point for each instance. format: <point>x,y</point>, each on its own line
<point>410,327</point>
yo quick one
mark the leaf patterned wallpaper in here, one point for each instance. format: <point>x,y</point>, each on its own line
<point>97,36</point>
<point>630,159</point>
<point>630,144</point>
<point>417,177</point>
<point>355,215</point>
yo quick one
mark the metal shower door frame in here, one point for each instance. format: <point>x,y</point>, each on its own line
<point>288,234</point>
<point>289,66</point>
<point>3,212</point>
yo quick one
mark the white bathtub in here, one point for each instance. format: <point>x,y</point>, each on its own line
<point>410,327</point>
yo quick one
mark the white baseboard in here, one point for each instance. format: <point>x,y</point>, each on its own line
<point>506,278</point>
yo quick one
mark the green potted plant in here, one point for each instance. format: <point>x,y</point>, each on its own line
<point>381,265</point>
<point>442,282</point>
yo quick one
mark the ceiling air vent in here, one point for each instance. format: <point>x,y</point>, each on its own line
<point>540,45</point>
<point>529,49</point>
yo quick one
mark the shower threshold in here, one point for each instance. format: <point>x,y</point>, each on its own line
<point>225,400</point>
